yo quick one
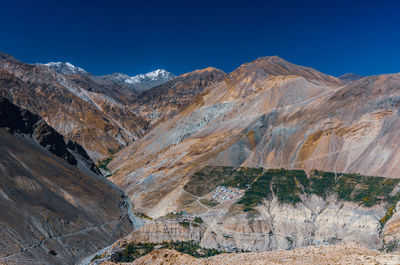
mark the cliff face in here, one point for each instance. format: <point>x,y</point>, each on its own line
<point>257,210</point>
<point>51,202</point>
<point>17,120</point>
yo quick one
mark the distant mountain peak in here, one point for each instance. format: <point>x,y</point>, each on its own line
<point>65,68</point>
<point>153,75</point>
<point>141,82</point>
<point>350,77</point>
<point>206,71</point>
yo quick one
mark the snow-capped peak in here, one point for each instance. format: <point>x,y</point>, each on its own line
<point>153,75</point>
<point>141,82</point>
<point>65,68</point>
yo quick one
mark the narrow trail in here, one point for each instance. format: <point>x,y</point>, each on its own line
<point>197,200</point>
<point>126,208</point>
<point>83,230</point>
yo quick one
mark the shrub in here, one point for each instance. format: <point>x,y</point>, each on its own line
<point>185,224</point>
<point>387,216</point>
<point>198,220</point>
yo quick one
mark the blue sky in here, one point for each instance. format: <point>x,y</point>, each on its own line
<point>133,37</point>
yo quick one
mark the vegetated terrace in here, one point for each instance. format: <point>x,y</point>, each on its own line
<point>289,186</point>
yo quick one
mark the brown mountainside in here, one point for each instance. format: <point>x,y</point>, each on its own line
<point>96,121</point>
<point>168,99</point>
<point>268,113</point>
<point>53,209</point>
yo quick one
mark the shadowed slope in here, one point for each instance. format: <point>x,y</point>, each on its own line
<point>52,212</point>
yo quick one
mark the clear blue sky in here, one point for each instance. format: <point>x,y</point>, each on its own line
<point>133,37</point>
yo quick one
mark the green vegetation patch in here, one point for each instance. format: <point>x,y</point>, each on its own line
<point>134,251</point>
<point>289,185</point>
<point>388,215</point>
<point>366,190</point>
<point>104,163</point>
<point>196,222</point>
<point>142,215</point>
<point>96,257</point>
<point>207,179</point>
<point>242,177</point>
<point>191,248</point>
<point>285,184</point>
<point>390,246</point>
<point>320,183</point>
<point>172,215</point>
<point>185,223</point>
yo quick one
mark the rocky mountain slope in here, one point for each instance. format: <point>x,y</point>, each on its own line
<point>55,209</point>
<point>78,107</point>
<point>252,209</point>
<point>271,156</point>
<point>350,77</point>
<point>168,99</point>
<point>102,113</point>
<point>273,114</point>
<point>66,68</point>
<point>141,82</point>
<point>121,87</point>
<point>16,120</point>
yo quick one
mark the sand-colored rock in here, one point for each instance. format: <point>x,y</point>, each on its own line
<point>297,118</point>
<point>337,254</point>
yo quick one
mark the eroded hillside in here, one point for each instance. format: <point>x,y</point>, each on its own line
<point>55,209</point>
<point>268,113</point>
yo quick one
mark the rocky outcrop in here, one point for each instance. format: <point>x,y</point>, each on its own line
<point>338,254</point>
<point>17,120</point>
<point>182,228</point>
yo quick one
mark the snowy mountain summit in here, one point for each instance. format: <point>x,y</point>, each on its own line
<point>141,82</point>
<point>65,68</point>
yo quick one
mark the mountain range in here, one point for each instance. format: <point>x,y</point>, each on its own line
<point>272,156</point>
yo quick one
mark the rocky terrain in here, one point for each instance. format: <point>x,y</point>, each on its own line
<point>55,207</point>
<point>80,115</point>
<point>270,157</point>
<point>251,209</point>
<point>337,254</point>
<point>102,113</point>
<point>141,82</point>
<point>273,114</point>
<point>350,77</point>
<point>168,99</point>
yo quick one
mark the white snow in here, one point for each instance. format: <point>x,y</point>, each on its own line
<point>141,81</point>
<point>65,68</point>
